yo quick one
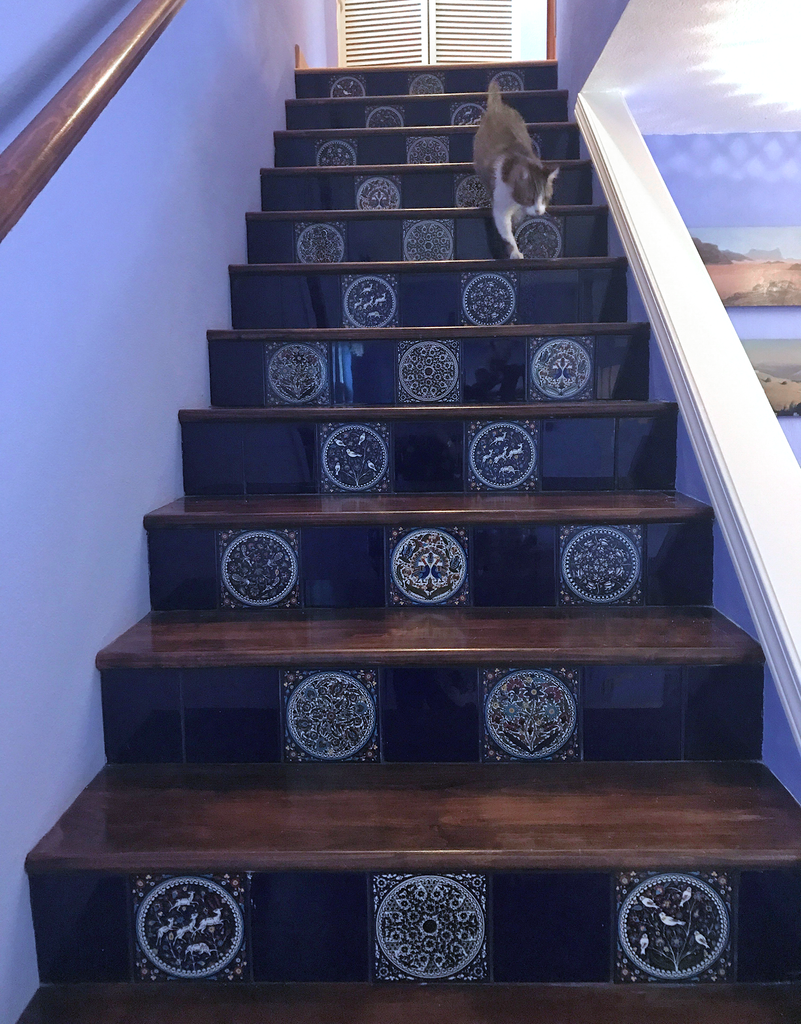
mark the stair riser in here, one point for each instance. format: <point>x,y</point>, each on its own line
<point>489,370</point>
<point>574,454</point>
<point>398,82</point>
<point>398,146</point>
<point>419,187</point>
<point>517,926</point>
<point>414,298</point>
<point>431,714</point>
<point>418,112</point>
<point>387,239</point>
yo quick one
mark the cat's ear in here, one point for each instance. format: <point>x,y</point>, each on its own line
<point>553,175</point>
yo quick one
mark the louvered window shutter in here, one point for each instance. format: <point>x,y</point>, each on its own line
<point>383,32</point>
<point>466,31</point>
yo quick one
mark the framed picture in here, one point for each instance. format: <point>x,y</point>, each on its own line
<point>753,266</point>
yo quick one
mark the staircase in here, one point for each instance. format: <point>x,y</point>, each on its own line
<point>433,718</point>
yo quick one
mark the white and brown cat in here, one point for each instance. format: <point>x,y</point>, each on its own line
<point>517,180</point>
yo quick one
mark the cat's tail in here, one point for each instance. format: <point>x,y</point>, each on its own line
<point>494,100</point>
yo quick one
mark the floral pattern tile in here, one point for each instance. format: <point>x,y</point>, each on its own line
<point>489,299</point>
<point>502,455</point>
<point>370,300</point>
<point>428,566</point>
<point>427,149</point>
<point>189,927</point>
<point>383,117</point>
<point>561,369</point>
<point>320,242</point>
<point>330,715</point>
<point>258,568</point>
<point>540,237</point>
<point>354,457</point>
<point>336,152</point>
<point>378,192</point>
<point>430,927</point>
<point>428,371</point>
<point>530,714</point>
<point>297,373</point>
<point>342,86</point>
<point>469,191</point>
<point>507,80</point>
<point>429,83</point>
<point>600,565</point>
<point>673,926</point>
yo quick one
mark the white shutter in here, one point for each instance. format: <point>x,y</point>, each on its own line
<point>471,31</point>
<point>383,32</point>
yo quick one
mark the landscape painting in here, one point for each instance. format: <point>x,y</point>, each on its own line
<point>753,266</point>
<point>777,362</point>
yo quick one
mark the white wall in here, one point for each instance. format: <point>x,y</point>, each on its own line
<point>107,286</point>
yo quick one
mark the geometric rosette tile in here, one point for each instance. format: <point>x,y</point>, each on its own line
<point>600,565</point>
<point>428,371</point>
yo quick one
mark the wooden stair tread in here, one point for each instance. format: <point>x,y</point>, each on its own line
<point>439,129</point>
<point>432,267</point>
<point>414,98</point>
<point>418,817</point>
<point>414,69</point>
<point>442,509</point>
<point>425,636</point>
<point>215,1003</point>
<point>401,333</point>
<point>433,212</point>
<point>369,169</point>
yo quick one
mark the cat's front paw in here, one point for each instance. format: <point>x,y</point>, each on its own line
<point>516,254</point>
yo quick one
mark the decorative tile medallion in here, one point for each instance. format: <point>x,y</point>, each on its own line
<point>428,566</point>
<point>369,300</point>
<point>427,84</point>
<point>502,456</point>
<point>428,371</point>
<point>539,238</point>
<point>560,368</point>
<point>489,299</point>
<point>258,568</point>
<point>378,193</point>
<point>320,242</point>
<point>600,564</point>
<point>466,113</point>
<point>508,81</point>
<point>383,117</point>
<point>530,715</point>
<point>673,926</point>
<point>297,374</point>
<point>335,153</point>
<point>428,240</point>
<point>430,927</point>
<point>342,86</point>
<point>427,149</point>
<point>189,926</point>
<point>469,191</point>
<point>536,142</point>
<point>330,715</point>
<point>354,457</point>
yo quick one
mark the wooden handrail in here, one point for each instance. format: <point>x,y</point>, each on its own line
<point>32,159</point>
<point>551,30</point>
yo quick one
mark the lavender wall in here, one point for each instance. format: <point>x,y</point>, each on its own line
<point>107,286</point>
<point>582,30</point>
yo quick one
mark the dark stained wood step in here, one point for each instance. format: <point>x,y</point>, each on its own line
<point>419,817</point>
<point>438,213</point>
<point>446,510</point>
<point>429,636</point>
<point>215,1003</point>
<point>416,69</point>
<point>394,169</point>
<point>418,98</point>
<point>443,411</point>
<point>434,267</point>
<point>416,130</point>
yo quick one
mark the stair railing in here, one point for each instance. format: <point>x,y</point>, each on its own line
<point>752,476</point>
<point>32,159</point>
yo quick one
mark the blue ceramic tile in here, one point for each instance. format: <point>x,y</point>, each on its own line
<point>679,563</point>
<point>723,716</point>
<point>532,553</point>
<point>489,298</point>
<point>183,570</point>
<point>343,567</point>
<point>231,714</point>
<point>259,568</point>
<point>494,369</point>
<point>560,369</point>
<point>237,373</point>
<point>600,565</point>
<point>271,241</point>
<point>280,458</point>
<point>585,235</point>
<point>383,148</point>
<point>428,240</point>
<point>354,457</point>
<point>632,714</point>
<point>603,296</point>
<point>578,455</point>
<point>309,927</point>
<point>428,372</point>
<point>549,297</point>
<point>551,927</point>
<point>374,241</point>
<point>430,714</point>
<point>502,455</point>
<point>426,190</point>
<point>81,925</point>
<point>428,566</point>
<point>142,716</point>
<point>297,374</point>
<point>284,300</point>
<point>769,946</point>
<point>213,458</point>
<point>428,149</point>
<point>477,238</point>
<point>378,192</point>
<point>429,300</point>
<point>646,453</point>
<point>318,242</point>
<point>428,456</point>
<point>330,714</point>
<point>364,372</point>
<point>621,367</point>
<point>369,301</point>
<point>530,714</point>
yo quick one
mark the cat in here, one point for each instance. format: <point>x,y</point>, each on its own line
<point>514,176</point>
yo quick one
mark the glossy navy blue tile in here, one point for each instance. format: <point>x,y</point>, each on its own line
<point>280,458</point>
<point>342,567</point>
<point>477,239</point>
<point>585,235</point>
<point>578,454</point>
<point>494,369</point>
<point>621,367</point>
<point>183,569</point>
<point>374,241</point>
<point>548,297</point>
<point>309,927</point>
<point>213,458</point>
<point>284,300</point>
<point>364,372</point>
<point>428,456</point>
<point>632,714</point>
<point>270,241</point>
<point>231,715</point>
<point>461,148</point>
<point>723,716</point>
<point>646,453</point>
<point>603,296</point>
<point>383,148</point>
<point>81,925</point>
<point>769,947</point>
<point>679,563</point>
<point>430,714</point>
<point>551,927</point>
<point>532,553</point>
<point>236,371</point>
<point>292,151</point>
<point>427,190</point>
<point>429,300</point>
<point>142,716</point>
